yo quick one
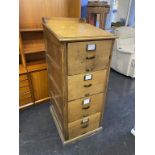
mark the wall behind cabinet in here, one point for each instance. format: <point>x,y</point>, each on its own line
<point>32,11</point>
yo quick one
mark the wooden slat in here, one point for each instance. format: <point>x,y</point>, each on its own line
<point>24,95</point>
<point>23,77</point>
<point>22,69</point>
<point>23,83</point>
<point>36,65</point>
<point>24,89</point>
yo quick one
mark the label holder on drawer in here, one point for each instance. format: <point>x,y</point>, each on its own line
<point>88,77</point>
<point>86,103</point>
<point>91,47</point>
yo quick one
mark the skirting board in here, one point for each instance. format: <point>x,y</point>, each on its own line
<point>64,142</point>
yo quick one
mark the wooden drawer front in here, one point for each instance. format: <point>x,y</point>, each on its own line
<point>24,89</point>
<point>24,95</point>
<point>25,101</point>
<point>22,77</point>
<point>84,125</point>
<point>81,60</point>
<point>23,83</point>
<point>80,108</point>
<point>78,87</point>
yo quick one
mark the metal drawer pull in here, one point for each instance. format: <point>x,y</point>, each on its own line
<point>85,115</point>
<point>89,85</point>
<point>88,69</point>
<point>87,94</point>
<point>86,106</point>
<point>85,123</point>
<point>90,58</point>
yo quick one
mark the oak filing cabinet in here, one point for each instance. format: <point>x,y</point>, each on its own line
<point>78,57</point>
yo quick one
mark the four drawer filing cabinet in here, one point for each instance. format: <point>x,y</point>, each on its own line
<point>78,57</point>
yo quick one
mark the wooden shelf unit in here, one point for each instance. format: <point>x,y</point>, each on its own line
<point>32,41</point>
<point>36,65</point>
<point>33,54</point>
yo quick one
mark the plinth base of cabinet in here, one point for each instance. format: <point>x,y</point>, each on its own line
<point>64,142</point>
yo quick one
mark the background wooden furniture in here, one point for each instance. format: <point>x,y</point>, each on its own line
<point>78,58</point>
<point>97,11</point>
<point>32,59</point>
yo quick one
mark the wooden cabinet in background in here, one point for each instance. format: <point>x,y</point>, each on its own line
<point>25,93</point>
<point>40,85</point>
<point>32,46</point>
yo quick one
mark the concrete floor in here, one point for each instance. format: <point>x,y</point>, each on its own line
<point>39,136</point>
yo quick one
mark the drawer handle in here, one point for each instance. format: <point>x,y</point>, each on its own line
<point>90,58</point>
<point>85,123</point>
<point>89,69</point>
<point>89,85</point>
<point>85,106</point>
<point>85,115</point>
<point>87,94</point>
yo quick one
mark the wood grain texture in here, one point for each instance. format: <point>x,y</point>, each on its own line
<point>32,11</point>
<point>31,38</point>
<point>107,79</point>
<point>33,42</point>
<point>56,64</point>
<point>36,66</point>
<point>68,61</point>
<point>25,95</point>
<point>73,140</point>
<point>76,110</point>
<point>80,59</point>
<point>74,8</point>
<point>21,52</point>
<point>75,128</point>
<point>39,84</point>
<point>24,89</point>
<point>23,83</point>
<point>23,77</point>
<point>78,87</point>
<point>66,29</point>
<point>22,69</point>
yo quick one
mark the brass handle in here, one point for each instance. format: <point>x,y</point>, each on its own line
<point>89,85</point>
<point>88,69</point>
<point>87,94</point>
<point>85,123</point>
<point>85,115</point>
<point>90,58</point>
<point>86,107</point>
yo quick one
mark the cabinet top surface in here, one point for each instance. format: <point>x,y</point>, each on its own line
<point>72,29</point>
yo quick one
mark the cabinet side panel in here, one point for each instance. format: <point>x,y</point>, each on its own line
<point>107,80</point>
<point>56,65</point>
